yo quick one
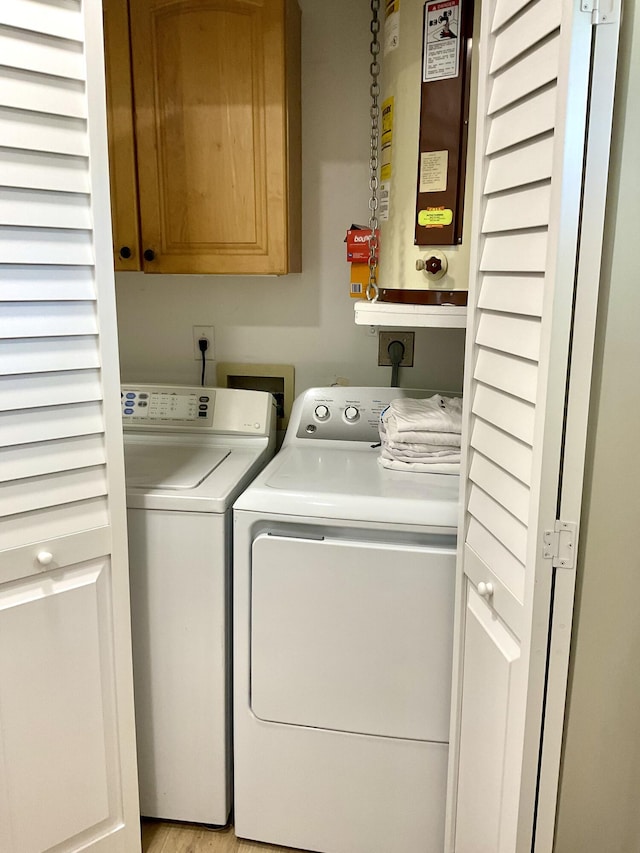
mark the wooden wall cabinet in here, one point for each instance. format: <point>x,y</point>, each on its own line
<point>204,135</point>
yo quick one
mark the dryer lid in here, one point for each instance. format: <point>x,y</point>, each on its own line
<point>170,466</point>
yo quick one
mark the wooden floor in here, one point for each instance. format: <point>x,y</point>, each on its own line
<point>163,837</point>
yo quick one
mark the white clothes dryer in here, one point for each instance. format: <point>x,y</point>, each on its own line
<point>188,454</point>
<point>343,632</point>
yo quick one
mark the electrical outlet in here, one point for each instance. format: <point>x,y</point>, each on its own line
<point>387,338</point>
<point>200,332</point>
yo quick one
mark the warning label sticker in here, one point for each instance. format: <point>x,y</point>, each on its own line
<point>441,60</point>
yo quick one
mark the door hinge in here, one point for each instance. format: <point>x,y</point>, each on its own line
<point>602,11</point>
<point>560,544</point>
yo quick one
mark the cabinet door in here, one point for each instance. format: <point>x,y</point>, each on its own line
<point>122,149</point>
<point>211,121</point>
<point>490,661</point>
<point>67,746</point>
<point>530,217</point>
<point>59,759</point>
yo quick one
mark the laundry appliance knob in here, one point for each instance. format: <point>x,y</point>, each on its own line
<point>351,413</point>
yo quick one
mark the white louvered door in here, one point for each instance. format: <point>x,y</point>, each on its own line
<point>533,102</point>
<point>67,748</point>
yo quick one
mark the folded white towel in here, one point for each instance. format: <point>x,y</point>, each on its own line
<point>406,418</point>
<point>441,455</point>
<point>422,435</point>
<point>420,467</point>
<point>419,441</point>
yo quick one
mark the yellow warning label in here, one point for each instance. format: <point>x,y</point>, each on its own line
<point>435,217</point>
<point>386,139</point>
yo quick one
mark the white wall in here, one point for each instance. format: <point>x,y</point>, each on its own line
<point>600,782</point>
<point>307,319</point>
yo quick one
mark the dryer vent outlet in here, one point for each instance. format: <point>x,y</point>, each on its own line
<point>277,379</point>
<point>385,339</point>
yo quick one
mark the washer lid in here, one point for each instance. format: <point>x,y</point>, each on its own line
<point>169,466</point>
<point>324,482</point>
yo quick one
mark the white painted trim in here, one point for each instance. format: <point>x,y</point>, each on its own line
<point>128,839</point>
<point>460,599</point>
<point>588,278</point>
<point>571,107</point>
<point>413,316</point>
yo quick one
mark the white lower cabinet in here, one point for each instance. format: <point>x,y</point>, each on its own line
<point>59,761</point>
<point>485,810</point>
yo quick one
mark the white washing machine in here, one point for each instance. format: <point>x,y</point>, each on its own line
<point>343,632</point>
<point>188,454</point>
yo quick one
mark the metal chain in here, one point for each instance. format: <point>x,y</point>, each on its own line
<point>374,68</point>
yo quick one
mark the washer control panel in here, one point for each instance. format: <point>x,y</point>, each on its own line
<point>186,408</point>
<point>176,406</point>
<point>342,413</point>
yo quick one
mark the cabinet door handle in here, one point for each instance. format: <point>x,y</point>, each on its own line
<point>44,557</point>
<point>149,255</point>
<point>125,252</point>
<point>485,589</point>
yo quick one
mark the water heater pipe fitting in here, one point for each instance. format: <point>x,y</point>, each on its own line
<point>434,266</point>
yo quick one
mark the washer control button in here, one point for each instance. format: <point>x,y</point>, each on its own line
<point>131,395</point>
<point>322,412</point>
<point>128,411</point>
<point>351,413</point>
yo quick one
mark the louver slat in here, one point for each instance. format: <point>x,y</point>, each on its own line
<point>518,209</point>
<point>41,355</point>
<point>46,133</point>
<point>20,245</point>
<point>515,294</point>
<point>52,490</point>
<point>41,53</point>
<point>519,252</point>
<point>505,450</point>
<point>508,413</point>
<point>49,389</point>
<point>511,334</point>
<point>524,78</point>
<point>492,516</point>
<point>41,171</point>
<point>493,553</point>
<point>27,90</point>
<point>47,319</point>
<point>44,209</point>
<point>63,20</point>
<point>533,117</point>
<point>33,283</point>
<point>506,373</point>
<point>509,492</point>
<point>537,21</point>
<point>50,457</point>
<point>53,522</point>
<point>50,423</point>
<point>527,164</point>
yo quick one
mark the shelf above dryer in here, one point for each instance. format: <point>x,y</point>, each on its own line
<point>414,316</point>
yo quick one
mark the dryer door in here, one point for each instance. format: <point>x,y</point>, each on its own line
<point>352,636</point>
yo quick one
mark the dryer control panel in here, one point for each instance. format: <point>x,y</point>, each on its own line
<point>342,413</point>
<point>184,408</point>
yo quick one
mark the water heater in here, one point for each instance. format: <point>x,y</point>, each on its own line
<point>429,76</point>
